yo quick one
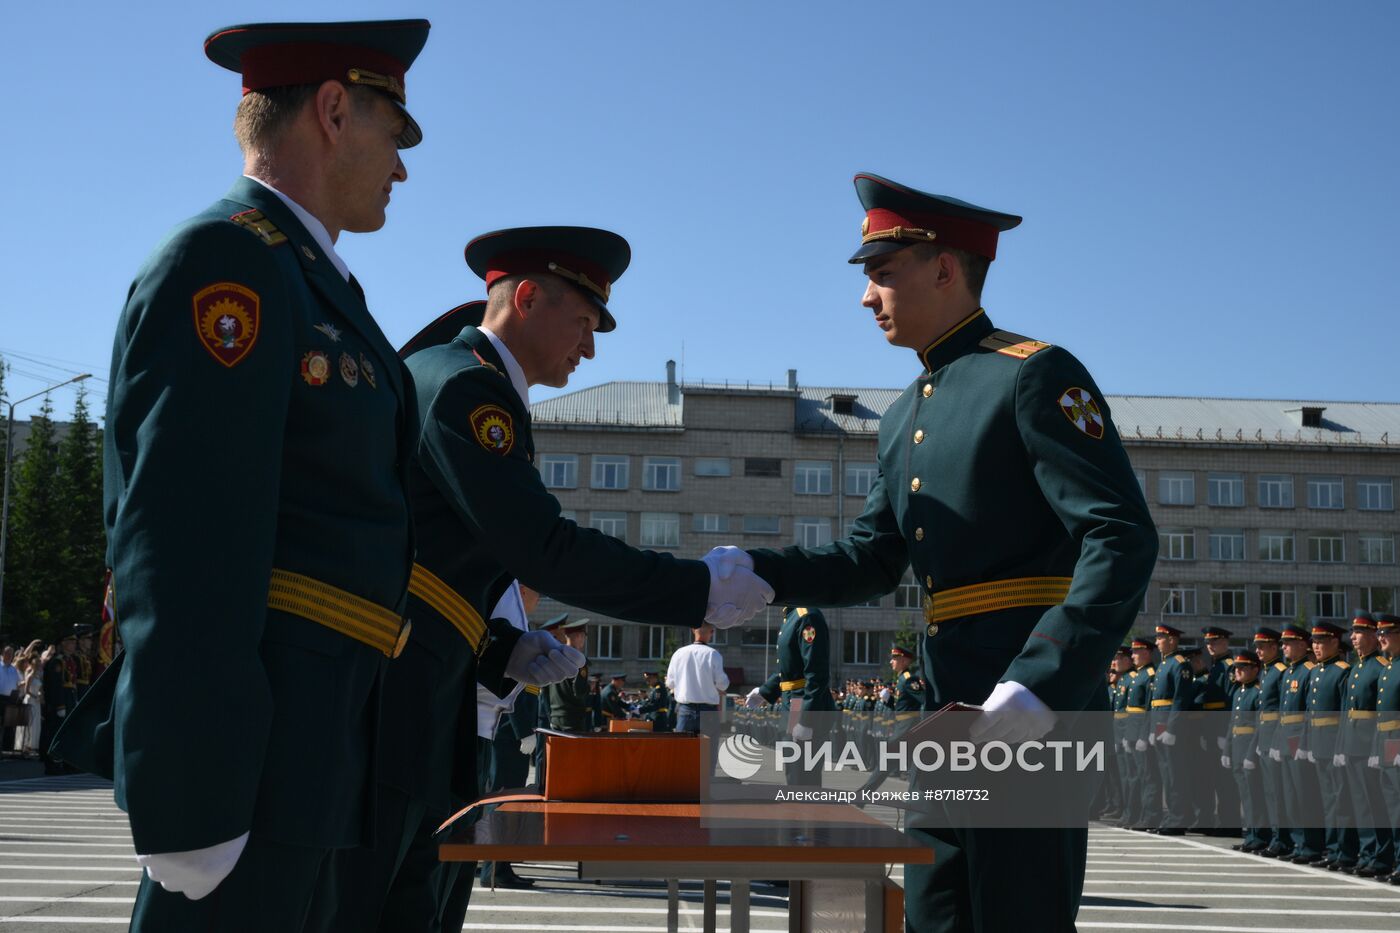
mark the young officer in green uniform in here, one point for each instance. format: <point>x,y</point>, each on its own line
<point>1327,686</point>
<point>1302,797</point>
<point>259,427</point>
<point>1375,850</point>
<point>803,675</point>
<point>1271,669</point>
<point>656,708</point>
<point>611,698</point>
<point>566,703</point>
<point>1004,485</point>
<point>1385,753</point>
<point>1145,809</point>
<point>1173,696</point>
<point>1223,797</point>
<point>1239,757</point>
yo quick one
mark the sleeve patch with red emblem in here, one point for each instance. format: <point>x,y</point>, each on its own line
<point>809,634</point>
<point>493,429</point>
<point>1082,411</point>
<point>226,317</point>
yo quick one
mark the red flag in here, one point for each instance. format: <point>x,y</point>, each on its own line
<point>107,633</point>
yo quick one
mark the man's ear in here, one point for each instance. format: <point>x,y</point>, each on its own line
<point>526,297</point>
<point>332,104</point>
<point>949,271</point>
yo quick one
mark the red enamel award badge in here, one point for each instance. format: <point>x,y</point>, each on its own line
<point>315,368</point>
<point>226,319</point>
<point>1082,411</point>
<point>494,429</point>
<point>809,634</point>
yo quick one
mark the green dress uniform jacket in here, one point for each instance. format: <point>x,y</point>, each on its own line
<point>804,662</point>
<point>1387,737</point>
<point>1138,703</point>
<point>567,703</point>
<point>656,708</point>
<point>1173,695</point>
<point>1327,687</point>
<point>1271,685</point>
<point>909,690</point>
<point>999,463</point>
<point>611,702</point>
<point>1363,695</point>
<point>1293,707</point>
<point>259,427</point>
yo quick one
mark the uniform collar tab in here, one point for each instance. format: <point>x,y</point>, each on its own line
<point>956,340</point>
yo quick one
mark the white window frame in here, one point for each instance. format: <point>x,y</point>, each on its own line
<point>1330,602</point>
<point>608,467</point>
<point>1287,597</point>
<point>1226,544</point>
<point>1275,491</point>
<point>1178,600</point>
<point>1375,494</point>
<point>1178,544</point>
<point>1327,549</point>
<point>811,477</point>
<point>660,529</point>
<point>858,646</point>
<point>712,466</point>
<point>661,474</point>
<point>1326,492</point>
<point>811,531</point>
<point>710,523</point>
<point>1370,603</point>
<point>1176,488</point>
<point>752,526</point>
<point>1375,549</point>
<point>1287,546</point>
<point>1231,484</point>
<point>609,523</point>
<point>1237,597</point>
<point>653,646</point>
<point>909,594</point>
<point>605,642</point>
<point>569,463</point>
<point>860,477</point>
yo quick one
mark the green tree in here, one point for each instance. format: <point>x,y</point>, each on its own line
<point>904,634</point>
<point>35,556</point>
<point>80,505</point>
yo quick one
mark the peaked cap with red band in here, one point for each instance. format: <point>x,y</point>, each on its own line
<point>445,328</point>
<point>1247,657</point>
<point>368,54</point>
<point>586,257</point>
<point>896,217</point>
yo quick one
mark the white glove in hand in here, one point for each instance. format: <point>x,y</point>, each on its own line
<point>801,733</point>
<point>539,659</point>
<point>1224,761</point>
<point>1312,758</point>
<point>1151,738</point>
<point>1275,755</point>
<point>1374,761</point>
<point>1249,764</point>
<point>527,745</point>
<point>1300,755</point>
<point>1167,739</point>
<point>1339,761</point>
<point>754,700</point>
<point>1396,762</point>
<point>1220,743</point>
<point>1127,746</point>
<point>737,594</point>
<point>1021,716</point>
<point>195,873</point>
<point>1141,745</point>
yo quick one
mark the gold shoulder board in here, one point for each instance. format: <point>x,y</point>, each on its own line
<point>255,223</point>
<point>1013,345</point>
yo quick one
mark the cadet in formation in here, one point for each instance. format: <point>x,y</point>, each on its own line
<point>1219,802</point>
<point>802,683</point>
<point>1143,804</point>
<point>1239,757</point>
<point>1375,854</point>
<point>1005,487</point>
<point>1301,792</point>
<point>1385,754</point>
<point>656,707</point>
<point>1173,696</point>
<point>1271,682</point>
<point>564,705</point>
<point>1327,684</point>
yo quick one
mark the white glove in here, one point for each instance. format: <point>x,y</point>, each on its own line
<point>801,733</point>
<point>1224,761</point>
<point>1275,755</point>
<point>1249,764</point>
<point>1339,761</point>
<point>1220,743</point>
<point>1168,739</point>
<point>1312,758</point>
<point>1127,747</point>
<point>527,744</point>
<point>754,700</point>
<point>737,594</point>
<point>194,873</point>
<point>1022,716</point>
<point>1374,761</point>
<point>1300,755</point>
<point>1202,740</point>
<point>538,659</point>
<point>1141,745</point>
<point>1151,738</point>
<point>1396,762</point>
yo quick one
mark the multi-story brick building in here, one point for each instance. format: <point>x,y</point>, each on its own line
<point>1268,510</point>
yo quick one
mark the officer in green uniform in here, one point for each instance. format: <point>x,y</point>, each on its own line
<point>1302,796</point>
<point>1222,798</point>
<point>1117,786</point>
<point>802,681</point>
<point>1375,847</point>
<point>1201,752</point>
<point>566,703</point>
<point>1240,757</point>
<point>259,428</point>
<point>82,659</point>
<point>614,707</point>
<point>1173,696</point>
<point>1327,686</point>
<point>1004,485</point>
<point>1385,754</point>
<point>1145,804</point>
<point>656,708</point>
<point>1271,670</point>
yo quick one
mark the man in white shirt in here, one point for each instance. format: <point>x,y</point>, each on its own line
<point>697,679</point>
<point>9,692</point>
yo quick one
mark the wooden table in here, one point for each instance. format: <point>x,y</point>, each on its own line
<point>838,845</point>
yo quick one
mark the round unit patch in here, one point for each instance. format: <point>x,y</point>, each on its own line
<point>1082,411</point>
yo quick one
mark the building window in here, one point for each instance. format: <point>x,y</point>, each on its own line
<point>1228,603</point>
<point>711,521</point>
<point>859,647</point>
<point>1176,489</point>
<point>1225,489</point>
<point>1376,549</point>
<point>1276,545</point>
<point>1276,603</point>
<point>762,525</point>
<point>859,478</point>
<point>720,639</point>
<point>661,474</point>
<point>654,642</point>
<point>1178,545</point>
<point>1275,491</point>
<point>1326,549</point>
<point>812,478</point>
<point>1378,598</point>
<point>609,472</point>
<point>1325,493</point>
<point>1330,602</point>
<point>812,532</point>
<point>1227,545</point>
<point>1178,600</point>
<point>754,636</point>
<point>605,642</point>
<point>610,523</point>
<point>570,514</point>
<point>1375,494</point>
<point>711,466</point>
<point>909,595</point>
<point>559,471</point>
<point>763,466</point>
<point>661,529</point>
<point>1142,482</point>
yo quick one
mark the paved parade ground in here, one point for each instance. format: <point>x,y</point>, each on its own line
<point>66,865</point>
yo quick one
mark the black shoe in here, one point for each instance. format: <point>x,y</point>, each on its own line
<point>1252,848</point>
<point>1171,831</point>
<point>1238,847</point>
<point>1395,878</point>
<point>514,882</point>
<point>1371,871</point>
<point>1347,867</point>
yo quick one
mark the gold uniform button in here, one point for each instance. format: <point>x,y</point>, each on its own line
<point>918,534</point>
<point>914,484</point>
<point>402,639</point>
<point>919,436</point>
<point>928,390</point>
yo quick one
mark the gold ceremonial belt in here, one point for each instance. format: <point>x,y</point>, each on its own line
<point>1268,717</point>
<point>1244,730</point>
<point>900,717</point>
<point>1139,709</point>
<point>446,602</point>
<point>979,598</point>
<point>368,623</point>
<point>1120,715</point>
<point>787,685</point>
<point>1214,704</point>
<point>1361,714</point>
<point>1390,725</point>
<point>1158,704</point>
<point>1325,721</point>
<point>1292,719</point>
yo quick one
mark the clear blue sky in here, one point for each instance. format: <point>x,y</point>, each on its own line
<point>1210,189</point>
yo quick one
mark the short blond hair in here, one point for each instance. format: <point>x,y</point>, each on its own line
<point>263,116</point>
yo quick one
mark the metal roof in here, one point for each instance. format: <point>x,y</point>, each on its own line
<point>644,405</point>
